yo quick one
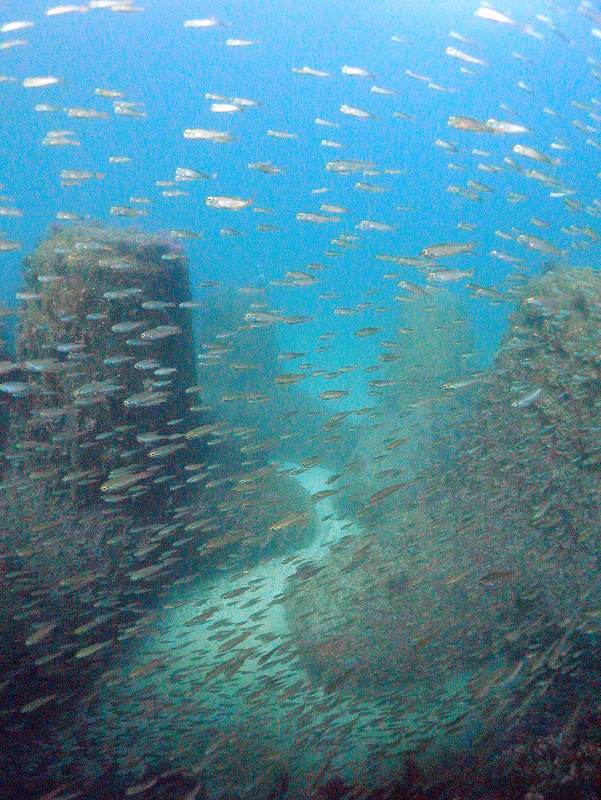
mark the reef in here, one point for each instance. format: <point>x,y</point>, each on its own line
<point>479,584</point>
<point>530,464</point>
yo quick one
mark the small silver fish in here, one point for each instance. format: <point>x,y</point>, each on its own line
<point>528,399</point>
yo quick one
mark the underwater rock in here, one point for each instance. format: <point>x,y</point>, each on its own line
<point>538,426</point>
<point>97,412</point>
<point>414,421</point>
<point>107,354</point>
<point>480,586</point>
<point>526,487</point>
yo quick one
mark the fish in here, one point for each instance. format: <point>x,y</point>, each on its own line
<point>17,25</point>
<point>537,243</point>
<point>468,124</point>
<point>10,43</point>
<point>160,332</point>
<point>146,399</point>
<point>97,389</point>
<point>292,519</point>
<point>230,203</point>
<point>300,278</point>
<point>282,134</point>
<point>353,111</point>
<point>461,56</point>
<point>357,72</point>
<point>347,167</point>
<point>86,113</point>
<point>92,649</point>
<point>371,225</point>
<point>286,378</point>
<point>491,125</point>
<point>225,108</point>
<point>266,167</point>
<point>240,42</point>
<point>448,146</point>
<point>40,633</point>
<point>369,187</point>
<point>446,250</point>
<point>536,155</point>
<point>449,275</point>
<point>28,708</point>
<point>263,317</point>
<point>41,82</point>
<point>316,73</point>
<point>382,494</point>
<point>500,126</point>
<point>528,399</point>
<point>488,13</point>
<point>203,23</point>
<point>80,175</point>
<point>60,139</point>
<point>368,331</point>
<point>417,76</point>
<point>318,219</point>
<point>125,481</point>
<point>208,135</point>
<point>54,11</point>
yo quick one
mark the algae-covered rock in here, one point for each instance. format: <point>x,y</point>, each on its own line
<point>119,483</point>
<point>536,449</point>
<point>489,572</point>
<point>96,409</point>
<point>105,348</point>
<point>376,608</point>
<point>526,487</point>
<point>411,424</point>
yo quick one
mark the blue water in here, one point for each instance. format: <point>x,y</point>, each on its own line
<point>153,59</point>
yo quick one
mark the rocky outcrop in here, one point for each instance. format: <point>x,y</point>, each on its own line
<point>483,579</point>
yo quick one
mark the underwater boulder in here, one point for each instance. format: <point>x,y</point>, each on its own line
<point>413,430</point>
<point>105,347</point>
<point>526,486</point>
<point>480,585</point>
<point>97,411</point>
<point>415,419</point>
